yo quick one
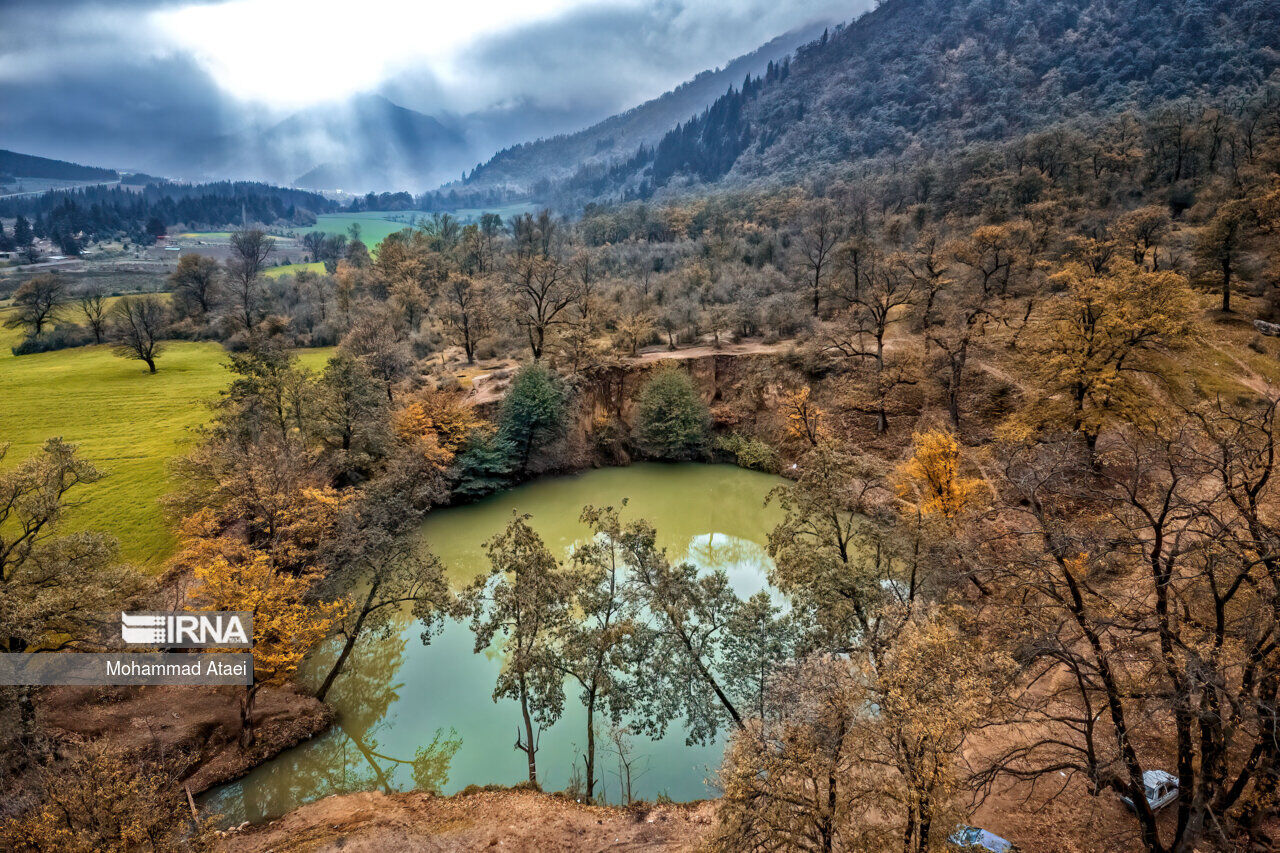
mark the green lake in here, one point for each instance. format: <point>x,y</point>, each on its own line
<point>398,700</point>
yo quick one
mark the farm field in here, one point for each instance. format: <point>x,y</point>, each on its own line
<point>376,225</point>
<point>374,228</point>
<point>293,269</point>
<point>126,421</point>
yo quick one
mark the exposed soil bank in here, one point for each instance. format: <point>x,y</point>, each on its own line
<point>197,727</point>
<point>500,820</point>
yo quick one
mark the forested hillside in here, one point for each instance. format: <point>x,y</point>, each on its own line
<point>28,166</point>
<point>919,74</point>
<point>523,167</point>
<point>69,217</point>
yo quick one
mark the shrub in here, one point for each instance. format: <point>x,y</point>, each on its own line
<point>483,467</point>
<point>749,452</point>
<point>671,419</point>
<point>62,337</point>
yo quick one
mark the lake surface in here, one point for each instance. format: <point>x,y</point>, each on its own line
<point>410,715</point>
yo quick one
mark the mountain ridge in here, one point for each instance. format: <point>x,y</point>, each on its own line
<point>928,73</point>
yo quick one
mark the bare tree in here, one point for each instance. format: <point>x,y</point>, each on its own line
<point>37,302</point>
<point>541,292</point>
<point>465,313</point>
<point>250,249</point>
<point>819,236</point>
<point>195,285</point>
<point>93,305</point>
<point>138,323</point>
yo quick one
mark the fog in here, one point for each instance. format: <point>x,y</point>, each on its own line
<point>273,89</point>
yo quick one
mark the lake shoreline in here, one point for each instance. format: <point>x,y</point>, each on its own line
<point>554,499</point>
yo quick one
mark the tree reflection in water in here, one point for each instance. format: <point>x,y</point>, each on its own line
<point>349,756</point>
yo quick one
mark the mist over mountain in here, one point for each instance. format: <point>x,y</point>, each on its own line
<point>914,74</point>
<point>221,89</point>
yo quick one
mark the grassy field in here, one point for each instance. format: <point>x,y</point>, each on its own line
<point>373,227</point>
<point>126,421</point>
<point>376,225</point>
<point>291,269</point>
<point>206,235</point>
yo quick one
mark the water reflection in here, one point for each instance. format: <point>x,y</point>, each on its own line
<point>410,716</point>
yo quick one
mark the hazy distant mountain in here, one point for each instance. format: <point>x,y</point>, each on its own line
<point>372,143</point>
<point>366,143</point>
<point>913,73</point>
<point>518,168</point>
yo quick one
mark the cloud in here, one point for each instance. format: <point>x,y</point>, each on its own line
<point>152,84</point>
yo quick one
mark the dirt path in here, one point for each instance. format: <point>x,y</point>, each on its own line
<point>499,820</point>
<point>490,385</point>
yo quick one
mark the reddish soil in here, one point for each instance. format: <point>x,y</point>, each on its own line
<point>497,820</point>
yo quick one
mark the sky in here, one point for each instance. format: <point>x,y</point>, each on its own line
<point>144,83</point>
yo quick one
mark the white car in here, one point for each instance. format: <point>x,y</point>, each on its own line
<point>972,838</point>
<point>1159,788</point>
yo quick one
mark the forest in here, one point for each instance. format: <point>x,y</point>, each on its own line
<point>1028,546</point>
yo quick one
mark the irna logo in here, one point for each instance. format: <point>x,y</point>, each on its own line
<point>188,630</point>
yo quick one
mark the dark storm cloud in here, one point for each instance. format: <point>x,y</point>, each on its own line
<point>84,81</point>
<point>100,83</point>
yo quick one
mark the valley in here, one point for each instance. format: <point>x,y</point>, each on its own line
<point>866,444</point>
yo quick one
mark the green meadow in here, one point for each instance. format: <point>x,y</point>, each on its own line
<point>293,269</point>
<point>377,225</point>
<point>126,421</point>
<point>373,227</point>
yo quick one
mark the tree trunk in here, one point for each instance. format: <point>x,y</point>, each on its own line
<point>350,644</point>
<point>590,757</point>
<point>926,818</point>
<point>151,364</point>
<point>246,716</point>
<point>530,749</point>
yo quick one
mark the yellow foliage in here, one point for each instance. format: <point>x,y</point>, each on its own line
<point>804,418</point>
<point>286,625</point>
<point>1095,344</point>
<point>931,480</point>
<point>438,424</point>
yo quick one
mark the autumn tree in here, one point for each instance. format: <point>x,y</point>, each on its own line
<point>932,478</point>
<point>375,340</point>
<point>108,801</point>
<point>860,752</point>
<point>1144,230</point>
<point>287,623</point>
<point>525,598</point>
<point>805,419</point>
<point>438,421</point>
<point>138,325</point>
<point>54,583</point>
<point>194,284</point>
<point>1095,349</point>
